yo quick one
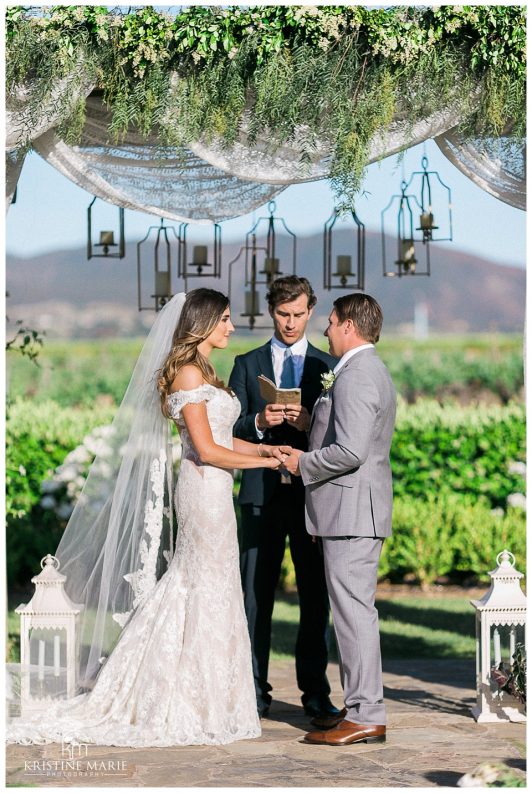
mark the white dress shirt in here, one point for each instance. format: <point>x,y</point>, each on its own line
<point>349,354</point>
<point>299,350</point>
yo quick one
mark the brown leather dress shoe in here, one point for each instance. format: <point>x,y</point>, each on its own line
<point>324,722</point>
<point>346,733</point>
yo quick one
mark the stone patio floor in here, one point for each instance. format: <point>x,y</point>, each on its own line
<point>432,741</point>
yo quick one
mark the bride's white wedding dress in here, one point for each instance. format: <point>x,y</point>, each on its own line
<point>181,672</point>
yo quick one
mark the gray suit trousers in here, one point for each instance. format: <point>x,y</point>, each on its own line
<point>351,572</point>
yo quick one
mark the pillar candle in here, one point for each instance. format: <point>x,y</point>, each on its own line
<point>57,656</point>
<point>512,642</point>
<point>251,302</point>
<point>496,647</point>
<point>162,282</point>
<point>271,266</point>
<point>200,254</point>
<point>41,660</point>
<point>107,238</point>
<point>426,220</point>
<point>343,265</point>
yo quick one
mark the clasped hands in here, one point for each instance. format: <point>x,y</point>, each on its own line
<point>288,457</point>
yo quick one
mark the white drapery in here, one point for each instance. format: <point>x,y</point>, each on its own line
<point>211,182</point>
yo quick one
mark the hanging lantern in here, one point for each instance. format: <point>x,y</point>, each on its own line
<point>262,263</point>
<point>106,238</point>
<point>500,625</point>
<point>427,224</point>
<point>161,280</point>
<point>200,266</point>
<point>49,640</point>
<point>406,262</point>
<point>344,261</point>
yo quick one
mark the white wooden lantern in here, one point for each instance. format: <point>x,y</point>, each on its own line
<point>500,616</point>
<point>49,640</point>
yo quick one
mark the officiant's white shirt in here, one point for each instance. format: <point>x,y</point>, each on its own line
<point>299,350</point>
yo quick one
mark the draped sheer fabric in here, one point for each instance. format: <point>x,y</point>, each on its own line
<point>210,182</point>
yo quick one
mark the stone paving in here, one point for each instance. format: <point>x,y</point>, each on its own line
<point>432,741</point>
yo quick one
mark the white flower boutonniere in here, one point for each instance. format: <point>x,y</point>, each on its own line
<point>327,380</point>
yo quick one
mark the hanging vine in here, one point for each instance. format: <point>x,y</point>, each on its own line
<point>342,73</point>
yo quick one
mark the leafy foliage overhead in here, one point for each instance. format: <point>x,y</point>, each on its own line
<point>343,73</point>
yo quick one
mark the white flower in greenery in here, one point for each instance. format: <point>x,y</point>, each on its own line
<point>517,467</point>
<point>517,500</point>
<point>65,473</point>
<point>48,502</point>
<point>50,486</point>
<point>64,511</point>
<point>327,380</point>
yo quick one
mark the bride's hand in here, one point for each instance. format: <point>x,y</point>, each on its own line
<point>280,452</point>
<point>272,462</point>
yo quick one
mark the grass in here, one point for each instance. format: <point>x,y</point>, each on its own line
<point>410,627</point>
<point>81,371</point>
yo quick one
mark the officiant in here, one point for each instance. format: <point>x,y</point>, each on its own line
<point>273,504</point>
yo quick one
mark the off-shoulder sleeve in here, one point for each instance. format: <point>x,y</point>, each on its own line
<point>178,399</point>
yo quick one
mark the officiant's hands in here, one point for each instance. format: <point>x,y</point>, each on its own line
<point>271,416</point>
<point>297,416</point>
<point>274,415</point>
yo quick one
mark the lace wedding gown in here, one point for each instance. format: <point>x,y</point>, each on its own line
<point>181,671</point>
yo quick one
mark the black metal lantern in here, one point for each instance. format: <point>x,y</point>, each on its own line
<point>200,266</point>
<point>249,253</point>
<point>344,265</point>
<point>406,262</point>
<point>107,238</point>
<point>161,291</point>
<point>261,263</point>
<point>426,201</point>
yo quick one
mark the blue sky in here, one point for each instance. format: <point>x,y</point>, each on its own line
<point>50,213</point>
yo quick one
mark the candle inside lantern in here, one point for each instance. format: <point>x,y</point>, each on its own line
<point>408,253</point>
<point>496,646</point>
<point>162,282</point>
<point>271,266</point>
<point>426,220</point>
<point>56,656</point>
<point>343,265</point>
<point>107,238</point>
<point>512,642</point>
<point>252,302</point>
<point>41,660</point>
<point>200,254</point>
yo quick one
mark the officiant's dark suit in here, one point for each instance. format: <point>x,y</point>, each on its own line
<point>271,511</point>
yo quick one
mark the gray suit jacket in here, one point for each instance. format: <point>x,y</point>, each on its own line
<point>347,468</point>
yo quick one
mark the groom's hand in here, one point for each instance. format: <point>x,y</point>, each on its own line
<point>297,416</point>
<point>280,452</point>
<point>292,462</point>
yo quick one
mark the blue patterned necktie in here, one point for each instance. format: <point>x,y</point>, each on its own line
<point>288,375</point>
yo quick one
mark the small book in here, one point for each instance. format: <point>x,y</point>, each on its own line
<point>278,396</point>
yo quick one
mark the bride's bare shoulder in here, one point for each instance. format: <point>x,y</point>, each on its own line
<point>188,377</point>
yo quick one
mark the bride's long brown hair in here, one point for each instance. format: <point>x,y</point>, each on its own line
<point>202,311</point>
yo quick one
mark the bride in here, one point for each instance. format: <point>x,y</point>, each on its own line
<point>180,672</point>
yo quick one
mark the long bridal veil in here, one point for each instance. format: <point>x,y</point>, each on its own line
<point>119,539</point>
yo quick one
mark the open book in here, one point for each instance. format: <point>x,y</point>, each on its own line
<point>279,396</point>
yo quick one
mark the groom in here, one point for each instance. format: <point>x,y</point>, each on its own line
<point>349,506</point>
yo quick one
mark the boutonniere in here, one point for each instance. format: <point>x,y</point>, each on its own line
<point>327,380</point>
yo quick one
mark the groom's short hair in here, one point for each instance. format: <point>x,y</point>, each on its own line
<point>284,290</point>
<point>363,311</point>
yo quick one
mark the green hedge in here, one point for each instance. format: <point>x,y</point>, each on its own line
<point>39,435</point>
<point>455,449</point>
<point>451,468</point>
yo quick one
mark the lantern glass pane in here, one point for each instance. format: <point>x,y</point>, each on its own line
<point>48,660</point>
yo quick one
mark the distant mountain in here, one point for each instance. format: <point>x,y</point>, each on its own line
<point>67,295</point>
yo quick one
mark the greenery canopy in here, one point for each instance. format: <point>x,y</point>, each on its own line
<point>339,73</point>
